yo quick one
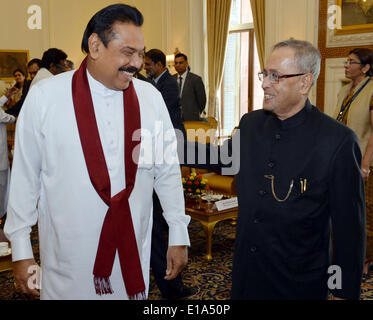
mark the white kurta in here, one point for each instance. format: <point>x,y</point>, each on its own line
<point>42,74</point>
<point>50,183</point>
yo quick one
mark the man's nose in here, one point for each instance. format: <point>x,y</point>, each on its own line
<point>136,61</point>
<point>266,83</point>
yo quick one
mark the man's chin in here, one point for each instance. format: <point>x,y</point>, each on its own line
<point>268,106</point>
<point>120,86</point>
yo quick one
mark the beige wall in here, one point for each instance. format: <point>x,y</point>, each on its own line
<point>168,24</point>
<point>292,18</point>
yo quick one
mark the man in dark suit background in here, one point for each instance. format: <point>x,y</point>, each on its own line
<point>158,74</point>
<point>155,67</point>
<point>192,89</point>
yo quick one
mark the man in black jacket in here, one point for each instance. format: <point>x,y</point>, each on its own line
<point>155,67</point>
<point>299,179</point>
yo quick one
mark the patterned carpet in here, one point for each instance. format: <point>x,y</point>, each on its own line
<point>213,279</point>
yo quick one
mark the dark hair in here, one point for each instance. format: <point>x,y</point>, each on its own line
<point>19,70</point>
<point>181,55</point>
<point>37,61</point>
<point>366,57</point>
<point>102,22</point>
<point>52,55</point>
<point>156,55</point>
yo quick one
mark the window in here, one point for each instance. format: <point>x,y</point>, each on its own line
<point>240,90</point>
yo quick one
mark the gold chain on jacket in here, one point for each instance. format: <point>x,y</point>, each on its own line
<point>272,178</point>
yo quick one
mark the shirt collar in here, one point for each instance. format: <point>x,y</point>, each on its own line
<point>184,75</point>
<point>157,79</point>
<point>98,87</point>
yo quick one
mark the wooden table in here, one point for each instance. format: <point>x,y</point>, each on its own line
<point>209,216</point>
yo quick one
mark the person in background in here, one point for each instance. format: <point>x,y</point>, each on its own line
<point>156,70</point>
<point>355,109</point>
<point>69,65</point>
<point>192,90</point>
<point>21,84</point>
<point>33,67</point>
<point>4,160</point>
<point>158,74</point>
<point>53,63</point>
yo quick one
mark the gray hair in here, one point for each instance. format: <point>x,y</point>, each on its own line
<point>307,57</point>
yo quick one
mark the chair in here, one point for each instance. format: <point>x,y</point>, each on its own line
<point>220,184</point>
<point>198,131</point>
<point>213,122</point>
<point>204,132</point>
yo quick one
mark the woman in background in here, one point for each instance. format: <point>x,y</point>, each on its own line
<point>355,109</point>
<point>20,78</point>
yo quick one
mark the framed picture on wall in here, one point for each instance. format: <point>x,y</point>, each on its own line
<point>356,16</point>
<point>353,23</point>
<point>11,60</point>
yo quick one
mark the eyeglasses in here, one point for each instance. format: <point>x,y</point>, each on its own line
<point>275,77</point>
<point>349,62</point>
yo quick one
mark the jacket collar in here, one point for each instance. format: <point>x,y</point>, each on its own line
<point>296,119</point>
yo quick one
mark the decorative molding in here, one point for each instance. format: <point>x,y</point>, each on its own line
<point>359,39</point>
<point>334,78</point>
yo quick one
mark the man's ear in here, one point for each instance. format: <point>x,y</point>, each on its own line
<point>94,45</point>
<point>306,83</point>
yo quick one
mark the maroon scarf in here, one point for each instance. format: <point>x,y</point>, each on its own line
<point>117,230</point>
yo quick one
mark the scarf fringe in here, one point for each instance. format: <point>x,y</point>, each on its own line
<point>103,286</point>
<point>138,296</point>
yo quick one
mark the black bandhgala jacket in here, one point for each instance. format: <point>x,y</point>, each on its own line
<point>283,249</point>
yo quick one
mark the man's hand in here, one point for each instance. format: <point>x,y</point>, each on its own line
<point>177,258</point>
<point>22,271</point>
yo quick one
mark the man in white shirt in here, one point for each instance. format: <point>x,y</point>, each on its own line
<point>82,172</point>
<point>53,62</point>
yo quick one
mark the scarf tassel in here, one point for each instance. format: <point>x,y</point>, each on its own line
<point>138,296</point>
<point>103,286</point>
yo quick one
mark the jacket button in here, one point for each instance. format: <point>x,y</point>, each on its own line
<point>253,249</point>
<point>278,136</point>
<point>262,193</point>
<point>257,221</point>
<point>271,164</point>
